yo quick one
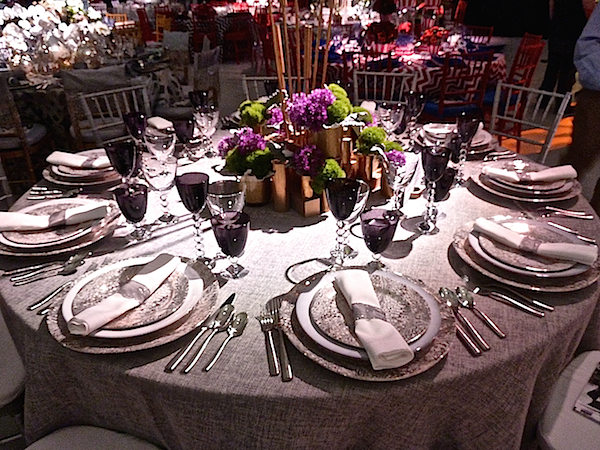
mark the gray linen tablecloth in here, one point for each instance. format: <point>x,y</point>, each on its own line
<point>490,402</point>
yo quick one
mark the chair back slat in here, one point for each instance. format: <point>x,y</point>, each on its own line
<point>382,86</point>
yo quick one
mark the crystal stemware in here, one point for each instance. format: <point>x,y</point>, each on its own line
<point>136,123</point>
<point>466,127</point>
<point>192,188</point>
<point>133,201</point>
<point>435,160</point>
<point>390,116</point>
<point>225,196</point>
<point>123,157</point>
<point>231,232</point>
<point>184,129</point>
<point>206,119</point>
<point>415,103</point>
<point>160,175</point>
<point>378,228</point>
<point>347,198</point>
<point>160,144</point>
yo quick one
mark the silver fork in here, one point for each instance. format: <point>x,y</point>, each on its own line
<point>273,306</point>
<point>266,324</point>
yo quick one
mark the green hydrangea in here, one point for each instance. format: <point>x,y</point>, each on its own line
<point>259,163</point>
<point>369,137</point>
<point>330,171</point>
<point>390,145</point>
<point>363,114</point>
<point>253,114</point>
<point>338,110</point>
<point>337,90</point>
<point>235,162</point>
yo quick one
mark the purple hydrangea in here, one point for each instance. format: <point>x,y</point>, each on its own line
<point>310,111</point>
<point>396,157</point>
<point>246,141</point>
<point>309,160</point>
<point>276,116</point>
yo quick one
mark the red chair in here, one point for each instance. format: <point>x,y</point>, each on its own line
<point>163,18</point>
<point>148,34</point>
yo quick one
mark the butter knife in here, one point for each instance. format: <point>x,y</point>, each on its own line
<point>204,327</point>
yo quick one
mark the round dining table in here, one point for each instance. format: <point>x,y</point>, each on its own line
<point>492,401</point>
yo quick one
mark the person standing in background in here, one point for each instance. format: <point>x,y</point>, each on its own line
<point>567,19</point>
<point>584,151</point>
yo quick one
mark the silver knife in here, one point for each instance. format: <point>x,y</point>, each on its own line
<point>466,340</point>
<point>573,232</point>
<point>516,303</point>
<point>203,328</point>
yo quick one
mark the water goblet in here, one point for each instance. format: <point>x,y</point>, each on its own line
<point>123,157</point>
<point>206,119</point>
<point>160,144</point>
<point>225,196</point>
<point>390,116</point>
<point>160,175</point>
<point>347,198</point>
<point>133,201</point>
<point>435,160</point>
<point>231,232</point>
<point>466,127</point>
<point>192,188</point>
<point>378,228</point>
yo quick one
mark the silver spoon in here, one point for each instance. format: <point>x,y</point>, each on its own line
<point>235,329</point>
<point>452,301</point>
<point>466,299</point>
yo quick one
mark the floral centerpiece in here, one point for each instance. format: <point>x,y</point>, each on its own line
<point>432,38</point>
<point>51,35</point>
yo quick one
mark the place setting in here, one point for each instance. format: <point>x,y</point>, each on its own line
<point>56,226</point>
<point>527,254</point>
<point>134,304</point>
<point>527,181</point>
<point>87,169</point>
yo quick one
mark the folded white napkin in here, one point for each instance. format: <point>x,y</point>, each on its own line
<point>130,295</point>
<point>581,253</point>
<point>76,161</point>
<point>159,123</point>
<point>385,346</point>
<point>16,221</point>
<point>543,176</point>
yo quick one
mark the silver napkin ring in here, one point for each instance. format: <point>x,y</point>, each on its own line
<point>529,244</point>
<point>364,311</point>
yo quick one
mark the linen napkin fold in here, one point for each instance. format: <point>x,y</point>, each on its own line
<point>543,176</point>
<point>385,346</point>
<point>581,253</point>
<point>159,123</point>
<point>59,158</point>
<point>129,296</point>
<point>16,221</point>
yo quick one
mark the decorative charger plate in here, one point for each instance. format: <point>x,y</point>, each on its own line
<point>481,139</point>
<point>480,180</point>
<point>524,263</point>
<point>110,179</point>
<point>98,230</point>
<point>357,368</point>
<point>324,314</point>
<point>461,245</point>
<point>51,237</point>
<point>530,189</point>
<point>183,318</point>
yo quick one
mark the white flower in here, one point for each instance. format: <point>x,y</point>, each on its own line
<point>93,14</point>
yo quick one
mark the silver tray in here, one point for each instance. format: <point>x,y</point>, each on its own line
<point>205,306</point>
<point>360,369</point>
<point>460,243</point>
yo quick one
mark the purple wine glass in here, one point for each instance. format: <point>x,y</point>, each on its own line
<point>378,228</point>
<point>192,188</point>
<point>435,160</point>
<point>136,123</point>
<point>231,232</point>
<point>133,201</point>
<point>467,125</point>
<point>123,157</point>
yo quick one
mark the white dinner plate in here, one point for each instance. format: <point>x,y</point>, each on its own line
<point>304,317</point>
<point>481,139</point>
<point>195,286</point>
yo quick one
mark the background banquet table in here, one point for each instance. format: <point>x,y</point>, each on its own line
<point>491,402</point>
